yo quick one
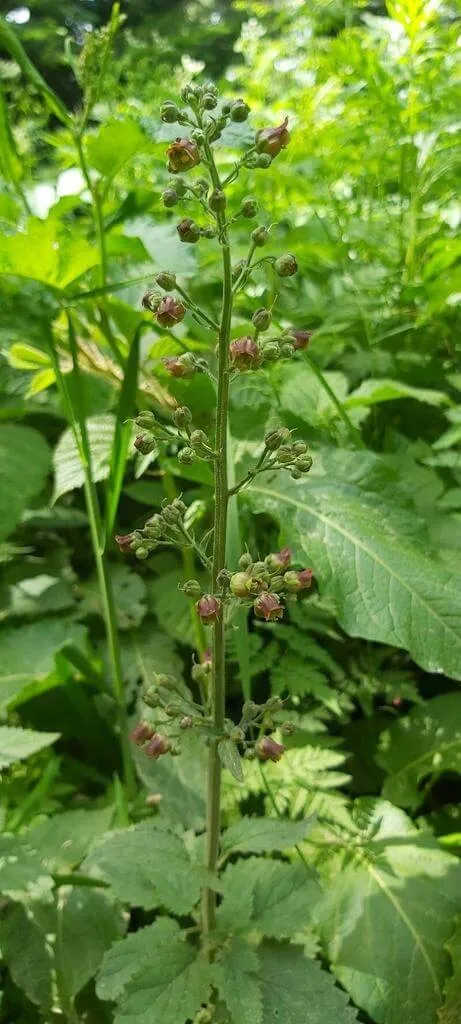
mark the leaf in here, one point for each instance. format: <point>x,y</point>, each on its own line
<point>26,954</point>
<point>123,431</point>
<point>63,840</point>
<point>450,1012</point>
<point>28,654</point>
<point>17,744</point>
<point>114,145</point>
<point>11,44</point>
<point>359,544</point>
<point>66,459</point>
<point>302,394</point>
<point>180,782</point>
<point>24,464</point>
<point>281,896</point>
<point>147,650</point>
<point>230,758</point>
<point>129,596</point>
<point>127,957</point>
<point>147,866</point>
<point>371,392</point>
<point>88,923</point>
<point>295,989</point>
<point>426,742</point>
<point>47,253</point>
<point>262,835</point>
<point>36,596</point>
<point>20,868</point>
<point>235,976</point>
<point>304,781</point>
<point>402,892</point>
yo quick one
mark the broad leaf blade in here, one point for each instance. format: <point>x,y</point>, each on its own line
<point>262,835</point>
<point>295,989</point>
<point>17,744</point>
<point>24,464</point>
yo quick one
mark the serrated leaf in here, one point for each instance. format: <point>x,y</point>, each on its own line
<point>68,471</point>
<point>426,742</point>
<point>24,464</point>
<point>27,654</point>
<point>63,840</point>
<point>282,895</point>
<point>127,957</point>
<point>21,870</point>
<point>88,923</point>
<point>230,758</point>
<point>147,866</point>
<point>26,954</point>
<point>17,744</point>
<point>235,975</point>
<point>261,835</point>
<point>296,989</point>
<point>450,1012</point>
<point>304,781</point>
<point>358,541</point>
<point>402,892</point>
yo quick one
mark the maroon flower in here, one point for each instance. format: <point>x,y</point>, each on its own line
<point>268,607</point>
<point>279,559</point>
<point>182,155</point>
<point>180,366</point>
<point>124,541</point>
<point>170,311</point>
<point>208,607</point>
<point>272,140</point>
<point>157,745</point>
<point>300,579</point>
<point>301,338</point>
<point>142,731</point>
<point>188,230</point>
<point>266,749</point>
<point>245,354</point>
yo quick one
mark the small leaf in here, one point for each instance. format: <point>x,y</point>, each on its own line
<point>261,835</point>
<point>230,758</point>
<point>17,744</point>
<point>32,657</point>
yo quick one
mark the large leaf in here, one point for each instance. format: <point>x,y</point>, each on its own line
<point>21,869</point>
<point>235,975</point>
<point>388,911</point>
<point>296,990</point>
<point>126,958</point>
<point>63,840</point>
<point>451,1009</point>
<point>269,896</point>
<point>26,954</point>
<point>426,742</point>
<point>28,654</point>
<point>261,835</point>
<point>66,459</point>
<point>88,923</point>
<point>17,744</point>
<point>359,543</point>
<point>24,463</point>
<point>114,145</point>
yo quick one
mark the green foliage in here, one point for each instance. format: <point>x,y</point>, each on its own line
<point>423,745</point>
<point>24,463</point>
<point>16,744</point>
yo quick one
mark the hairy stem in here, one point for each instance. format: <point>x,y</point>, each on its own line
<point>218,563</point>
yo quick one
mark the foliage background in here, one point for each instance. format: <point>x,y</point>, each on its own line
<point>366,196</point>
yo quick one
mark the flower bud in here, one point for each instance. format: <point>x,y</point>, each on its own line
<point>286,266</point>
<point>296,474</point>
<point>208,608</point>
<point>245,354</point>
<point>151,697</point>
<point>249,207</point>
<point>170,312</point>
<point>182,155</point>
<point>238,583</point>
<point>171,514</point>
<point>250,709</point>
<point>268,607</point>
<point>166,280</point>
<point>238,269</point>
<point>295,580</point>
<point>192,588</point>
<point>201,673</point>
<point>209,100</point>
<point>277,583</point>
<point>260,235</point>
<point>262,319</point>
<point>142,552</point>
<point>272,140</point>
<point>287,728</point>
<point>197,135</point>
<point>266,749</point>
<point>172,710</point>
<point>144,443</point>
<point>182,416</point>
<point>187,456</point>
<point>301,339</point>
<point>237,735</point>
<point>275,438</point>
<point>239,111</point>
<point>245,560</point>
<point>208,232</point>
<point>145,420</point>
<point>166,682</point>
<point>217,200</point>
<point>299,447</point>
<point>303,463</point>
<point>279,559</point>
<point>180,187</point>
<point>271,352</point>
<point>199,439</point>
<point>170,197</point>
<point>188,230</point>
<point>285,454</point>
<point>286,351</point>
<point>151,300</point>
<point>264,161</point>
<point>154,526</point>
<point>186,722</point>
<point>157,746</point>
<point>180,366</point>
<point>223,579</point>
<point>124,541</point>
<point>169,112</point>
<point>142,732</point>
<point>256,584</point>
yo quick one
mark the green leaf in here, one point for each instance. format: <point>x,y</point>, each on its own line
<point>261,835</point>
<point>26,954</point>
<point>451,1009</point>
<point>147,650</point>
<point>123,431</point>
<point>302,394</point>
<point>372,392</point>
<point>281,896</point>
<point>63,840</point>
<point>304,781</point>
<point>230,758</point>
<point>402,892</point>
<point>295,989</point>
<point>88,923</point>
<point>127,958</point>
<point>45,252</point>
<point>11,44</point>
<point>24,464</point>
<point>235,976</point>
<point>21,869</point>
<point>114,145</point>
<point>36,596</point>
<point>359,544</point>
<point>180,781</point>
<point>129,595</point>
<point>17,744</point>
<point>32,656</point>
<point>66,458</point>
<point>147,866</point>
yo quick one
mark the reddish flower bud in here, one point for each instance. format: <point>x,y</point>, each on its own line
<point>170,312</point>
<point>301,338</point>
<point>142,731</point>
<point>188,230</point>
<point>279,559</point>
<point>286,266</point>
<point>245,354</point>
<point>180,366</point>
<point>182,155</point>
<point>208,607</point>
<point>267,749</point>
<point>124,541</point>
<point>206,657</point>
<point>298,579</point>
<point>157,745</point>
<point>272,140</point>
<point>268,607</point>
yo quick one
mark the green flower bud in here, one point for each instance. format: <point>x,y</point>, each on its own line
<point>170,197</point>
<point>303,463</point>
<point>295,474</point>
<point>151,697</point>
<point>238,584</point>
<point>166,280</point>
<point>271,352</point>
<point>262,319</point>
<point>263,161</point>
<point>239,111</point>
<point>286,266</point>
<point>217,200</point>
<point>245,560</point>
<point>142,552</point>
<point>180,187</point>
<point>186,722</point>
<point>286,350</point>
<point>169,112</point>
<point>275,438</point>
<point>201,673</point>
<point>198,438</point>
<point>192,588</point>
<point>287,728</point>
<point>182,416</point>
<point>260,235</point>
<point>145,420</point>
<point>277,583</point>
<point>237,735</point>
<point>223,579</point>
<point>145,443</point>
<point>187,456</point>
<point>209,101</point>
<point>285,454</point>
<point>249,207</point>
<point>208,232</point>
<point>299,448</point>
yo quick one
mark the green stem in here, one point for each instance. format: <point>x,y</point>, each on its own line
<point>353,432</point>
<point>218,563</point>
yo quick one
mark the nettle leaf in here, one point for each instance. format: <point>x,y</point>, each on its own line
<point>451,1009</point>
<point>88,923</point>
<point>63,840</point>
<point>127,958</point>
<point>297,989</point>
<point>280,896</point>
<point>426,742</point>
<point>17,744</point>
<point>235,975</point>
<point>262,835</point>
<point>26,954</point>
<point>24,464</point>
<point>148,866</point>
<point>360,545</point>
<point>396,897</point>
<point>28,654</point>
<point>68,470</point>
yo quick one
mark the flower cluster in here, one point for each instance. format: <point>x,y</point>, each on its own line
<point>164,527</point>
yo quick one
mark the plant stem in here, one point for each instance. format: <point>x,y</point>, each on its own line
<point>218,563</point>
